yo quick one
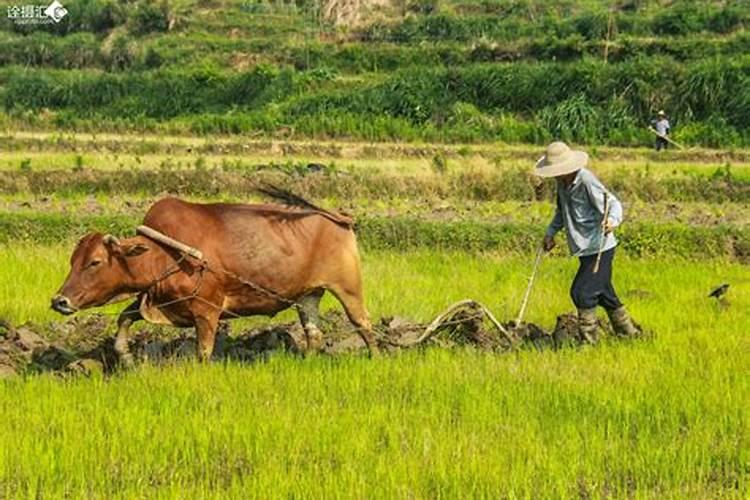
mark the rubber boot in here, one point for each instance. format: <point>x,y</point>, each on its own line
<point>588,326</point>
<point>622,323</point>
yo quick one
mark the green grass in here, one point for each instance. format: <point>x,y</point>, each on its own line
<point>615,421</point>
<point>31,274</point>
<point>665,418</point>
<point>661,420</point>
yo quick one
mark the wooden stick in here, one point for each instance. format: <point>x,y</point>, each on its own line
<point>604,234</point>
<point>521,312</point>
<point>666,138</point>
<point>163,238</point>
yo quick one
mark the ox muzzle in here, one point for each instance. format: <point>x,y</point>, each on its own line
<point>62,304</point>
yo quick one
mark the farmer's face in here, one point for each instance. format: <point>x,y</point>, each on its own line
<point>567,179</point>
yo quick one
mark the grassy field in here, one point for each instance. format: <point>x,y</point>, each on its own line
<point>422,118</point>
<point>660,418</point>
<point>616,421</point>
<point>434,279</point>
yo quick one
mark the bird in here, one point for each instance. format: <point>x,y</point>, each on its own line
<point>719,291</point>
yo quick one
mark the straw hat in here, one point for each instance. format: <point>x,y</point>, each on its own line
<point>661,113</point>
<point>560,160</point>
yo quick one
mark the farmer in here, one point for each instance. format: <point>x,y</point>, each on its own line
<point>661,125</point>
<point>581,211</point>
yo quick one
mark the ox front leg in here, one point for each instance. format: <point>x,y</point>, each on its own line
<point>127,317</point>
<point>205,329</point>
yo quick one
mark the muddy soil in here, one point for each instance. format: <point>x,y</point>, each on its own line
<point>85,345</point>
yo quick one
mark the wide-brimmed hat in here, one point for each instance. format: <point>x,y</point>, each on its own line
<point>661,113</point>
<point>560,160</point>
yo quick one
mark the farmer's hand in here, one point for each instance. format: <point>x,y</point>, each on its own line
<point>608,226</point>
<point>548,243</point>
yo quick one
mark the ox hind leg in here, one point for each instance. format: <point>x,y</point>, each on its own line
<point>309,317</point>
<point>351,298</point>
<point>127,317</point>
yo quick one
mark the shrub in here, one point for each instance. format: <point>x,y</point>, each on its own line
<point>713,133</point>
<point>681,18</point>
<point>573,120</point>
<point>592,25</point>
<point>726,19</point>
<point>150,17</point>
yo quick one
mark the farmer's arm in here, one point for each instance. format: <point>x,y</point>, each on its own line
<point>557,222</point>
<point>596,194</point>
<point>548,243</point>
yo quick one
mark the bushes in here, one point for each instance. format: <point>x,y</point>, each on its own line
<point>591,22</point>
<point>586,101</point>
<point>683,18</point>
<point>150,17</point>
<point>572,120</point>
<point>713,133</point>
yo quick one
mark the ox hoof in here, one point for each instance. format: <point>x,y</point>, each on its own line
<point>313,339</point>
<point>126,360</point>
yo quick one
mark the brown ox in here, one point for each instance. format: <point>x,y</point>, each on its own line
<point>257,260</point>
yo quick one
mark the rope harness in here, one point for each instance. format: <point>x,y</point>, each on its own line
<point>203,266</point>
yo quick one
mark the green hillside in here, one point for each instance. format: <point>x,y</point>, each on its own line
<point>434,70</point>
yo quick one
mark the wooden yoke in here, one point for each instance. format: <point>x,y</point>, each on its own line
<point>170,242</point>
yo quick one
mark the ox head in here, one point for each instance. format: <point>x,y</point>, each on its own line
<point>99,273</point>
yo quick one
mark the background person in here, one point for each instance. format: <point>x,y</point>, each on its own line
<point>580,210</point>
<point>661,125</point>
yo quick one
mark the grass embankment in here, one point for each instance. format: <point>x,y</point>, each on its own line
<point>645,239</point>
<point>498,182</point>
<point>448,71</point>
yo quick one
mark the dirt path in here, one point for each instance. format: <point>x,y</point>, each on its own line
<point>343,149</point>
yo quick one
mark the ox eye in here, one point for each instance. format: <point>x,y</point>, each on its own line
<point>94,263</point>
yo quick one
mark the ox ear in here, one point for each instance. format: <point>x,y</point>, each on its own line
<point>124,250</point>
<point>134,250</point>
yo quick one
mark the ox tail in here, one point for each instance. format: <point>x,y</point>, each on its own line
<point>288,198</point>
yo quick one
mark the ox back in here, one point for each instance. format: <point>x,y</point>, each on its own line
<point>288,250</point>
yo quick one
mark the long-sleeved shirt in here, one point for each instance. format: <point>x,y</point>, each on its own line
<point>580,209</point>
<point>662,126</point>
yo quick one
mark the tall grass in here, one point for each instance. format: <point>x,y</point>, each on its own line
<point>586,101</point>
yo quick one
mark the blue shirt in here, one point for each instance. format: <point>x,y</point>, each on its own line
<point>580,209</point>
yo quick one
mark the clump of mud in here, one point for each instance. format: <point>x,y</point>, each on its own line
<point>85,345</point>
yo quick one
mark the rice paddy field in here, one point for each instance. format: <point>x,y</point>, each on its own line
<point>661,417</point>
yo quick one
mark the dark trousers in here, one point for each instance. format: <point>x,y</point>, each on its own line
<point>661,143</point>
<point>590,290</point>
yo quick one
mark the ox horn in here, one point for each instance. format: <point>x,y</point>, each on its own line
<point>110,240</point>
